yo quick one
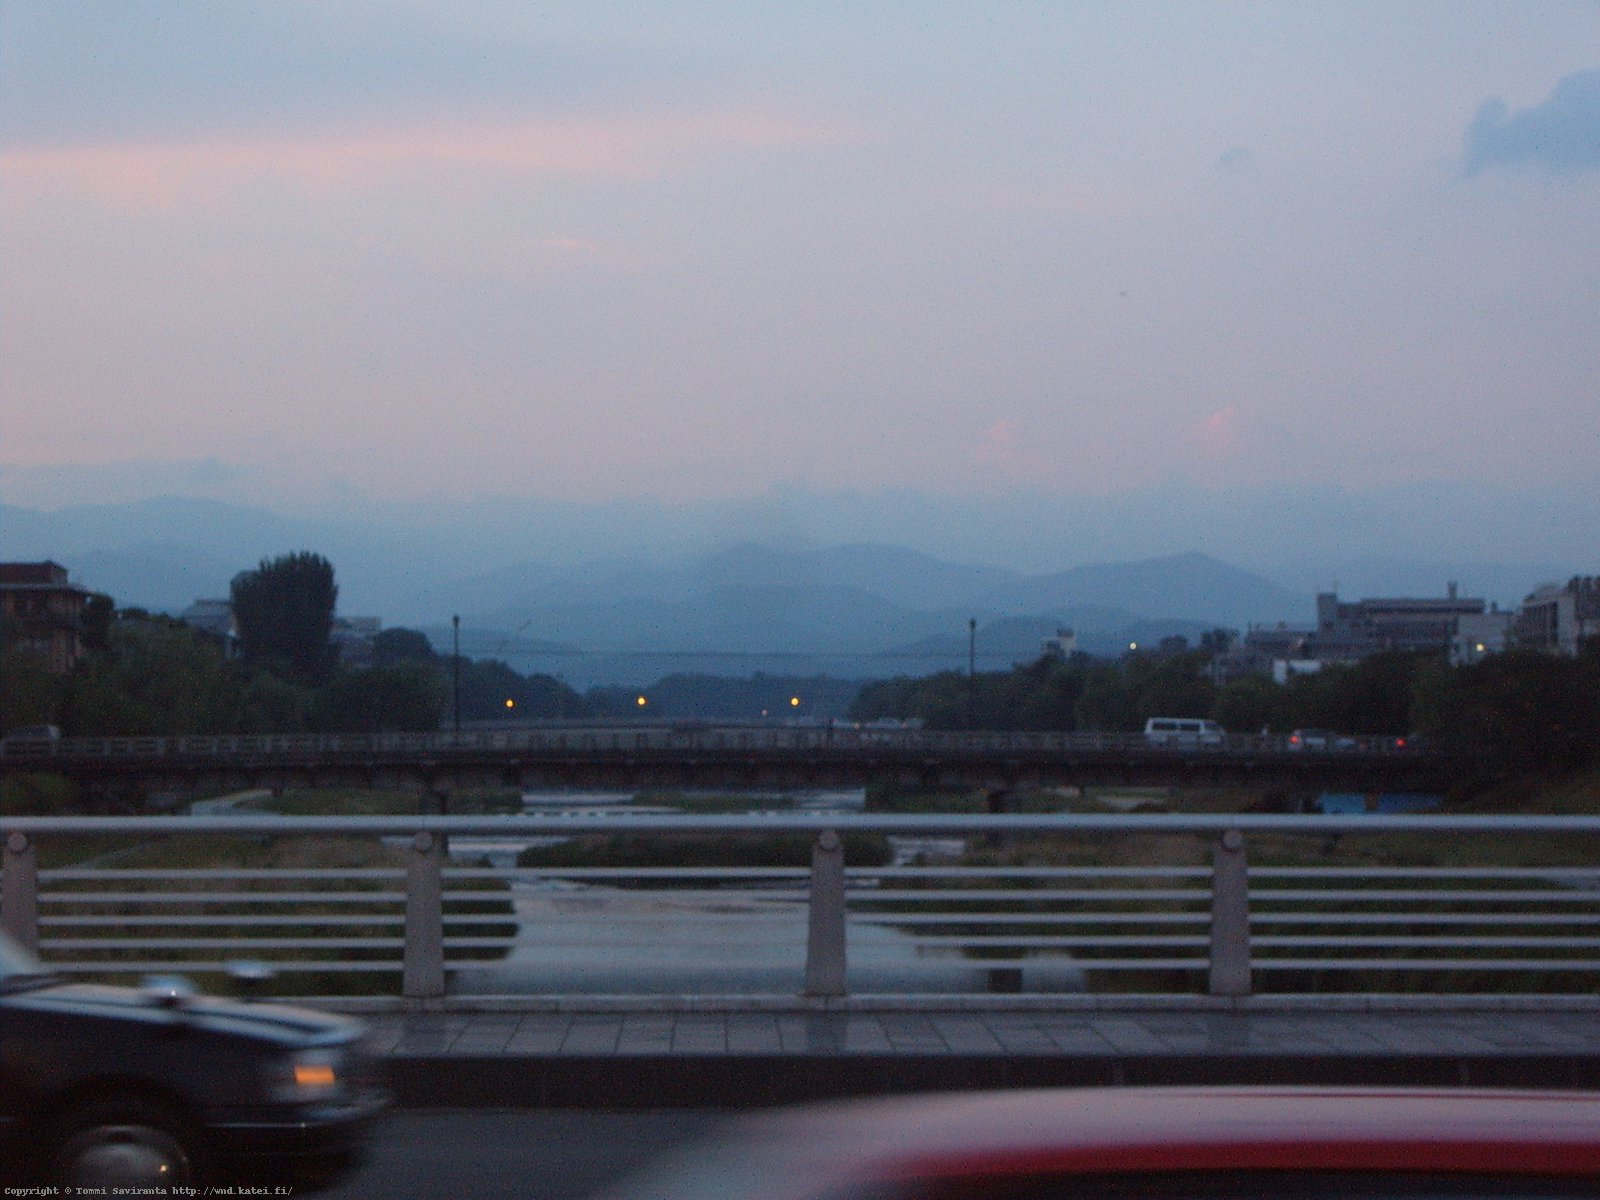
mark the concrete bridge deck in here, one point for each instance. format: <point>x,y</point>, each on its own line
<point>635,1057</point>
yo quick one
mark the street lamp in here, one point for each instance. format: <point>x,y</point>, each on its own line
<point>455,666</point>
<point>972,672</point>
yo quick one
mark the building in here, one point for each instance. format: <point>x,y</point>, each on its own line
<point>1477,637</point>
<point>214,619</point>
<point>1061,647</point>
<point>1556,617</point>
<point>1396,624</point>
<point>43,612</point>
<point>356,639</point>
<point>1463,628</point>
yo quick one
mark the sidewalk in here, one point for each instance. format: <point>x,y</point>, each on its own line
<point>650,1059</point>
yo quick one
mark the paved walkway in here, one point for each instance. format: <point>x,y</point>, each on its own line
<point>672,1058</point>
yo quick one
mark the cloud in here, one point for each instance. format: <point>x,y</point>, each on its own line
<point>1236,158</point>
<point>166,174</point>
<point>1562,135</point>
<point>1218,434</point>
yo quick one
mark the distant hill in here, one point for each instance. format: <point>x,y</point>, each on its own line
<point>600,614</point>
<point>1193,587</point>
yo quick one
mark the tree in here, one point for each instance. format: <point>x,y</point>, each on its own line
<point>155,676</point>
<point>405,697</point>
<point>284,611</point>
<point>400,645</point>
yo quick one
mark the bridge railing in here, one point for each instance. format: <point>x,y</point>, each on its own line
<point>661,738</point>
<point>1127,903</point>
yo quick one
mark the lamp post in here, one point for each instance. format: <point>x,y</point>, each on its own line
<point>455,667</point>
<point>972,672</point>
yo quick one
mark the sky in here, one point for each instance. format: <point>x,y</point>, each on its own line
<point>324,256</point>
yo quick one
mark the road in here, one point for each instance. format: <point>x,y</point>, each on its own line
<point>513,1154</point>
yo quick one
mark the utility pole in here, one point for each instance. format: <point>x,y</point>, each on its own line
<point>972,672</point>
<point>455,666</point>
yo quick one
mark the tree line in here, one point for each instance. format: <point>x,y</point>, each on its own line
<point>1521,710</point>
<point>145,673</point>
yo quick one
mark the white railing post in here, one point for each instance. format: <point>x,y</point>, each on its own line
<point>1230,917</point>
<point>423,976</point>
<point>19,890</point>
<point>825,952</point>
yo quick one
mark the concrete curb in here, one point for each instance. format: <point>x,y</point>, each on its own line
<point>942,1002</point>
<point>753,1081</point>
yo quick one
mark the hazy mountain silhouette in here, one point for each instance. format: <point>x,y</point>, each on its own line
<point>600,615</point>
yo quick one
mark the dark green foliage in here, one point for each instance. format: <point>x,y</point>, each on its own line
<point>1042,695</point>
<point>284,612</point>
<point>486,685</point>
<point>402,645</point>
<point>409,696</point>
<point>1520,711</point>
<point>721,697</point>
<point>37,796</point>
<point>30,694</point>
<point>1252,703</point>
<point>154,676</point>
<point>98,612</point>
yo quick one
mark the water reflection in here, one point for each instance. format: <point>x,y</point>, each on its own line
<point>598,939</point>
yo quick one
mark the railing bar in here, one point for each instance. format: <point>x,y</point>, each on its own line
<point>1543,943</point>
<point>553,873</point>
<point>58,873</point>
<point>1485,918</point>
<point>1377,895</point>
<point>977,872</point>
<point>222,897</point>
<point>80,967</point>
<point>1022,895</point>
<point>1425,964</point>
<point>1096,894</point>
<point>987,918</point>
<point>239,919</point>
<point>1542,873</point>
<point>243,943</point>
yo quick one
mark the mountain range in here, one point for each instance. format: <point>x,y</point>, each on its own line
<point>855,610</point>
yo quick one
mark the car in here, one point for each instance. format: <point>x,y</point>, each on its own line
<point>1313,739</point>
<point>1183,731</point>
<point>1220,1143</point>
<point>106,1087</point>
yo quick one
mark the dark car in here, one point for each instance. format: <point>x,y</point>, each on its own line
<point>1171,1143</point>
<point>118,1087</point>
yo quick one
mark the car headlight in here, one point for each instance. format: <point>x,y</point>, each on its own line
<point>308,1076</point>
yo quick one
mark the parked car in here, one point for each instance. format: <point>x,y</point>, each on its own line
<point>33,737</point>
<point>1175,1143</point>
<point>1313,739</point>
<point>108,1087</point>
<point>1182,731</point>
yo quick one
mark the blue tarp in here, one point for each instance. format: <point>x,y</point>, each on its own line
<point>1341,803</point>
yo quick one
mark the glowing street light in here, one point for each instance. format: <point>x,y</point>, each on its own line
<point>641,702</point>
<point>794,701</point>
<point>510,703</point>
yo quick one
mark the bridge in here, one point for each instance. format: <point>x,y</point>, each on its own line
<point>1439,950</point>
<point>718,756</point>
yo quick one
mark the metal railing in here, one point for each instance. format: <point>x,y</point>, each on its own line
<point>422,923</point>
<point>670,738</point>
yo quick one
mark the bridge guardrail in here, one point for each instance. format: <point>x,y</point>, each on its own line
<point>419,923</point>
<point>622,738</point>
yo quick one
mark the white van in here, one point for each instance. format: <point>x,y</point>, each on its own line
<point>1182,731</point>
